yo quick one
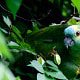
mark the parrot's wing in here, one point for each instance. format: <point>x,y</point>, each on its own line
<point>53,36</point>
<point>50,32</point>
<point>47,38</point>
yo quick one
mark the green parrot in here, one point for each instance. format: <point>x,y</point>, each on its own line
<point>66,40</point>
<point>72,43</point>
<point>47,38</point>
<point>72,40</point>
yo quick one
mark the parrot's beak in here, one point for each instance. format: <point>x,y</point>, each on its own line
<point>68,42</point>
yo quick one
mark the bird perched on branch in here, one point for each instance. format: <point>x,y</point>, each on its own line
<point>72,43</point>
<point>66,40</point>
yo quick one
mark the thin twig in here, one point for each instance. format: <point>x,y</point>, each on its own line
<point>24,18</point>
<point>76,18</point>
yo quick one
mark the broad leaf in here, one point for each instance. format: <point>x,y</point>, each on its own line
<point>18,78</point>
<point>37,66</point>
<point>11,43</point>
<point>5,73</point>
<point>71,22</point>
<point>77,4</point>
<point>43,77</point>
<point>4,49</point>
<point>7,21</point>
<point>41,60</point>
<point>58,75</point>
<point>40,76</point>
<point>51,63</point>
<point>13,6</point>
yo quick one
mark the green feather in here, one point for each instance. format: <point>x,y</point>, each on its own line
<point>53,36</point>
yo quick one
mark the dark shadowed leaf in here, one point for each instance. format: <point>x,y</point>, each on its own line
<point>13,6</point>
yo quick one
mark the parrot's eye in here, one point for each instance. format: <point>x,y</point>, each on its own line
<point>77,33</point>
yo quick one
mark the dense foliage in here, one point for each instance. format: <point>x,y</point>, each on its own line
<point>32,39</point>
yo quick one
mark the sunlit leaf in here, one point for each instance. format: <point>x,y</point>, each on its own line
<point>40,60</point>
<point>52,64</point>
<point>3,30</point>
<point>58,75</point>
<point>18,78</point>
<point>29,31</point>
<point>5,73</point>
<point>11,43</point>
<point>40,76</point>
<point>78,23</point>
<point>43,77</point>
<point>4,49</point>
<point>7,21</point>
<point>71,22</point>
<point>53,68</point>
<point>37,66</point>
<point>77,4</point>
<point>57,59</point>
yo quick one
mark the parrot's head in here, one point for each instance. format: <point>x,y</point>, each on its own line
<point>72,35</point>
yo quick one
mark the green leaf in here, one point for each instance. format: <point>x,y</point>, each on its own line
<point>52,1</point>
<point>58,75</point>
<point>64,11</point>
<point>14,47</point>
<point>18,78</point>
<point>78,23</point>
<point>5,73</point>
<point>40,60</point>
<point>12,43</point>
<point>7,21</point>
<point>30,65</point>
<point>29,51</point>
<point>37,66</point>
<point>13,6</point>
<point>51,63</point>
<point>43,77</point>
<point>40,76</point>
<point>35,26</point>
<point>71,22</point>
<point>26,47</point>
<point>5,77</point>
<point>29,31</point>
<point>53,68</point>
<point>3,30</point>
<point>14,37</point>
<point>77,4</point>
<point>4,49</point>
<point>57,59</point>
<point>16,31</point>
